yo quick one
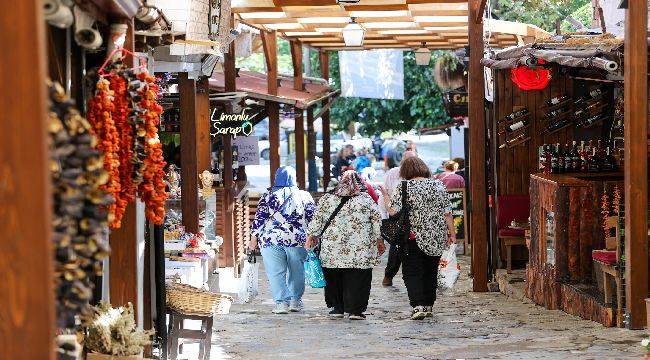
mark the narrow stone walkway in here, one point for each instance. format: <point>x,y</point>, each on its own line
<point>465,325</point>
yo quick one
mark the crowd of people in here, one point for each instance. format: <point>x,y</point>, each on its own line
<point>345,227</point>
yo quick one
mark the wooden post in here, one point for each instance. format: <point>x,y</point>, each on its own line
<point>312,171</point>
<point>325,118</point>
<point>300,148</point>
<point>229,250</point>
<point>27,293</point>
<point>296,59</point>
<point>203,141</point>
<point>189,160</point>
<point>477,149</point>
<point>123,268</point>
<point>636,167</point>
<point>269,43</point>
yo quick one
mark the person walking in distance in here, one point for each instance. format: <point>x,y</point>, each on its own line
<point>432,230</point>
<point>347,224</point>
<point>280,227</point>
<point>391,182</point>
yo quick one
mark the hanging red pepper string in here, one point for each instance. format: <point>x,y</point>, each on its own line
<point>152,189</point>
<point>100,110</point>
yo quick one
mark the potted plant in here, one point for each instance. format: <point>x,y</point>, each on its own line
<point>646,345</point>
<point>112,334</point>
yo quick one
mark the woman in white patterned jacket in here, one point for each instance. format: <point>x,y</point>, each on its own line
<point>347,224</point>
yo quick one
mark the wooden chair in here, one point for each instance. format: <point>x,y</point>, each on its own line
<point>607,262</point>
<point>177,334</point>
<point>509,208</point>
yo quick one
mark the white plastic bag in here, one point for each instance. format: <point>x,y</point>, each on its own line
<point>248,283</point>
<point>448,270</point>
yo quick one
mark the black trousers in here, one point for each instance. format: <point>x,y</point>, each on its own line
<point>420,274</point>
<point>347,290</point>
<point>394,262</point>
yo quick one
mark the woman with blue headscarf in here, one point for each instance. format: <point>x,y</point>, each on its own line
<point>279,228</point>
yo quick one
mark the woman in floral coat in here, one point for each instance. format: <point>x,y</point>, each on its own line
<point>350,245</point>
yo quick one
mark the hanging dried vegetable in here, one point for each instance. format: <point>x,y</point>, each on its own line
<point>152,189</point>
<point>80,203</point>
<point>100,116</point>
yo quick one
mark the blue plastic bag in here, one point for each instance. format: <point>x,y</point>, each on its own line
<point>314,271</point>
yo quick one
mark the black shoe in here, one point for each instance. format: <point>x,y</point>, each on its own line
<point>336,314</point>
<point>357,317</point>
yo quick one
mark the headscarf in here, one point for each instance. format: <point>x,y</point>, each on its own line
<point>285,176</point>
<point>348,184</point>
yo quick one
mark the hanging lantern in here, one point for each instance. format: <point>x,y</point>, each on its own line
<point>422,56</point>
<point>353,34</point>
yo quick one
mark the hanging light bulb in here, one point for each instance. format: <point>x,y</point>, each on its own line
<point>422,56</point>
<point>353,34</point>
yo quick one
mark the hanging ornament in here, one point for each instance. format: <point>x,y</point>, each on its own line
<point>527,78</point>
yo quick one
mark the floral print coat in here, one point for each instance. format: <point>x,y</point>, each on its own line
<point>283,223</point>
<point>350,241</point>
<point>429,202</point>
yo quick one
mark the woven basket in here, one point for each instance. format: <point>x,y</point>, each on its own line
<point>189,300</point>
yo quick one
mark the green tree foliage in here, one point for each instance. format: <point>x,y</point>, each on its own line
<point>422,105</point>
<point>542,13</point>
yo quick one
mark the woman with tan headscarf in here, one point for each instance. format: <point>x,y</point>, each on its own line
<point>347,224</point>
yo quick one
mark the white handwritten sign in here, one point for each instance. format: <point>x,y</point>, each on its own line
<point>248,150</point>
<point>233,124</point>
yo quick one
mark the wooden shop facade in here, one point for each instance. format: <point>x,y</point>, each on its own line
<point>568,155</point>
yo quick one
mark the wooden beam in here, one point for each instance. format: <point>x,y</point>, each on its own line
<point>477,150</point>
<point>312,171</point>
<point>323,57</point>
<point>228,250</point>
<point>300,148</point>
<point>636,166</point>
<point>481,11</point>
<point>189,158</point>
<point>296,59</point>
<point>203,141</point>
<point>123,271</point>
<point>270,47</point>
<point>123,279</point>
<point>273,109</point>
<point>327,104</point>
<point>27,294</point>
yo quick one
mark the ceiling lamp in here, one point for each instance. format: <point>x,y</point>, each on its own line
<point>422,56</point>
<point>353,34</point>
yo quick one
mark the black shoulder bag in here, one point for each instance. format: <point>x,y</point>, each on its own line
<point>344,199</point>
<point>395,230</point>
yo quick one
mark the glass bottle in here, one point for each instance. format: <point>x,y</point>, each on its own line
<point>592,162</point>
<point>516,126</point>
<point>556,100</point>
<point>560,158</point>
<point>608,162</point>
<point>583,157</point>
<point>516,114</point>
<point>554,160</point>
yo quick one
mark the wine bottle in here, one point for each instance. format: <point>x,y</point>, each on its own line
<point>590,96</point>
<point>557,112</point>
<point>541,155</point>
<point>556,100</point>
<point>558,125</point>
<point>513,141</point>
<point>608,162</point>
<point>575,158</point>
<point>560,158</point>
<point>583,157</point>
<point>516,114</point>
<point>516,126</point>
<point>554,160</point>
<point>592,162</point>
<point>568,159</point>
<point>593,119</point>
<point>547,159</point>
<point>618,134</point>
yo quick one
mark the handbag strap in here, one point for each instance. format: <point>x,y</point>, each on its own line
<point>344,199</point>
<point>405,196</point>
<point>276,211</point>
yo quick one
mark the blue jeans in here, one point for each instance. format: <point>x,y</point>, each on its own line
<point>286,272</point>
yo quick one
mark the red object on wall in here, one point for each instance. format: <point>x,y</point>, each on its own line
<point>531,79</point>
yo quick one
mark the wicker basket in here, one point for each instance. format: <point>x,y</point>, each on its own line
<point>189,300</point>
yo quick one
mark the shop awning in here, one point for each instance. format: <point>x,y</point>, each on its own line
<point>440,24</point>
<point>255,84</point>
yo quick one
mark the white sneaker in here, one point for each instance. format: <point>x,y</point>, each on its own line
<point>419,313</point>
<point>296,306</point>
<point>281,308</point>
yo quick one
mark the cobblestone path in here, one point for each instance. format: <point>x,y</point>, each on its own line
<point>465,325</point>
